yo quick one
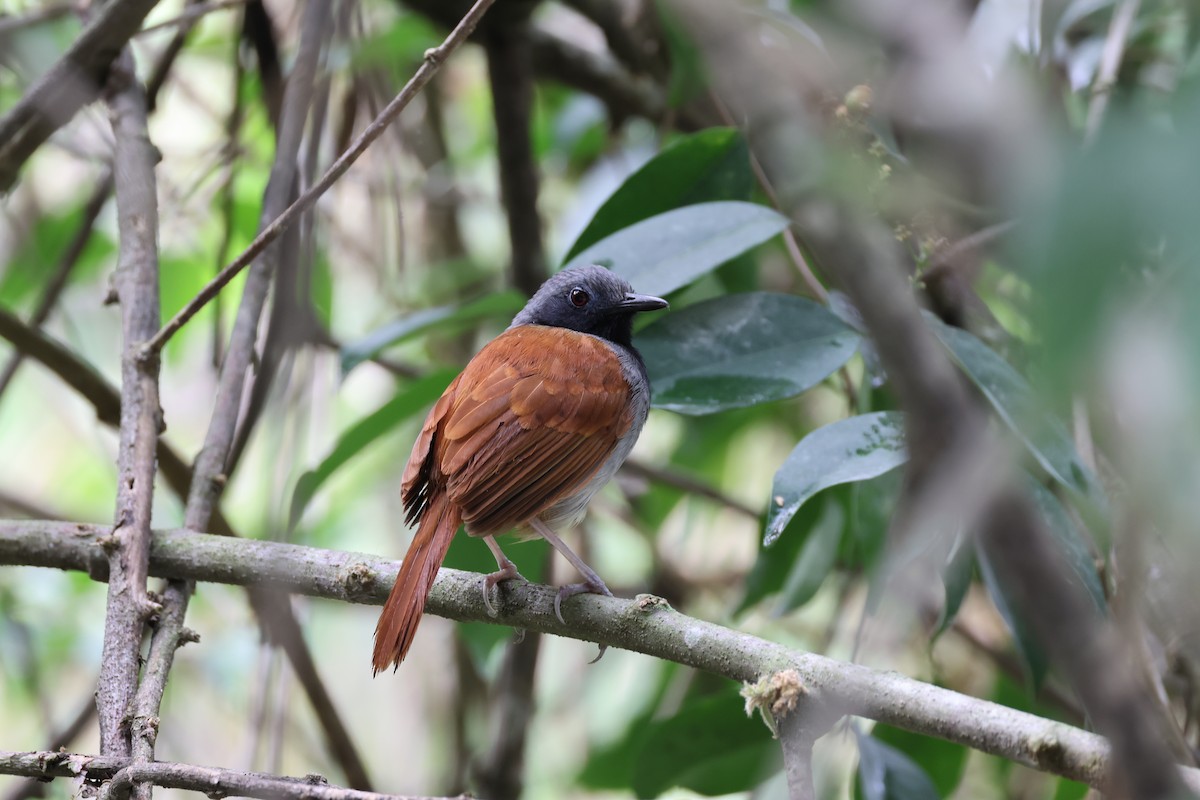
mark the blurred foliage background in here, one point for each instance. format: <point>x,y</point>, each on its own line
<point>1064,287</point>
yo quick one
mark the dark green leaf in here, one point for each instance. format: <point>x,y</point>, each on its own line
<point>1008,601</point>
<point>740,350</point>
<point>367,430</point>
<point>502,304</point>
<point>816,560</point>
<point>885,773</point>
<point>713,164</point>
<point>956,578</point>
<point>845,451</point>
<point>710,747</point>
<point>774,564</point>
<point>670,250</point>
<point>942,761</point>
<point>1071,542</point>
<point>1014,401</point>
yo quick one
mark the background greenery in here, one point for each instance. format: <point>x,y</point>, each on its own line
<point>773,424</point>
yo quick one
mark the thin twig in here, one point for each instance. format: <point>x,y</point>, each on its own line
<point>212,781</point>
<point>141,418</point>
<point>192,14</point>
<point>434,58</point>
<point>643,625</point>
<point>687,483</point>
<point>1110,64</point>
<point>14,22</point>
<point>62,272</point>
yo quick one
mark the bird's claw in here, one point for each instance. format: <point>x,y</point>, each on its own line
<point>572,589</point>
<point>491,580</point>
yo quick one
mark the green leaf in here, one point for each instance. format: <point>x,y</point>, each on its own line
<point>816,560</point>
<point>713,164</point>
<point>885,773</point>
<point>942,761</point>
<point>1015,402</point>
<point>741,350</point>
<point>367,430</point>
<point>1071,542</point>
<point>493,305</point>
<point>710,747</point>
<point>1007,600</point>
<point>774,565</point>
<point>956,579</point>
<point>27,270</point>
<point>845,451</point>
<point>670,250</point>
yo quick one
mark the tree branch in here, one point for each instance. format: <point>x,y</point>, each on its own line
<point>510,73</point>
<point>434,58</point>
<point>141,418</point>
<point>212,781</point>
<point>274,614</point>
<point>71,83</point>
<point>644,625</point>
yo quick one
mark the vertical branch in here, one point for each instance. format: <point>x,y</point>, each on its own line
<point>510,70</point>
<point>141,418</point>
<point>501,774</point>
<point>208,476</point>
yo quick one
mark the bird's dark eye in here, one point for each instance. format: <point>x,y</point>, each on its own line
<point>579,298</point>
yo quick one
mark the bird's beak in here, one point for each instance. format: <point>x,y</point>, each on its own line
<point>640,302</point>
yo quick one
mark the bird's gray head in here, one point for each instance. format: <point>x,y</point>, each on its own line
<point>588,299</point>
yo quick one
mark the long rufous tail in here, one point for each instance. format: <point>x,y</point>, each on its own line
<point>405,605</point>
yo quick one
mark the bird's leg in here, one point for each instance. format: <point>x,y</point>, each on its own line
<point>591,581</point>
<point>506,571</point>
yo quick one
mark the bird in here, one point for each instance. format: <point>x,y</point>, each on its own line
<point>535,424</point>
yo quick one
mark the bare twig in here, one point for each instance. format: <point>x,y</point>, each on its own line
<point>71,83</point>
<point>434,58</point>
<point>623,94</point>
<point>14,22</point>
<point>141,417</point>
<point>687,483</point>
<point>62,272</point>
<point>640,625</point>
<point>211,781</point>
<point>193,13</point>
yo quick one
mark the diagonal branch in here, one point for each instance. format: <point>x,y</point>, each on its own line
<point>141,418</point>
<point>71,83</point>
<point>644,625</point>
<point>434,58</point>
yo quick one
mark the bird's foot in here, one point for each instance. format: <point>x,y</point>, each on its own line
<point>506,572</point>
<point>587,587</point>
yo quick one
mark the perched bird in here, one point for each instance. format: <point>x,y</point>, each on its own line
<point>538,421</point>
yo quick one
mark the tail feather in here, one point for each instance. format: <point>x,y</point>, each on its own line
<point>405,605</point>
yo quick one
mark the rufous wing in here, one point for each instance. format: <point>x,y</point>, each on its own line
<point>533,417</point>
